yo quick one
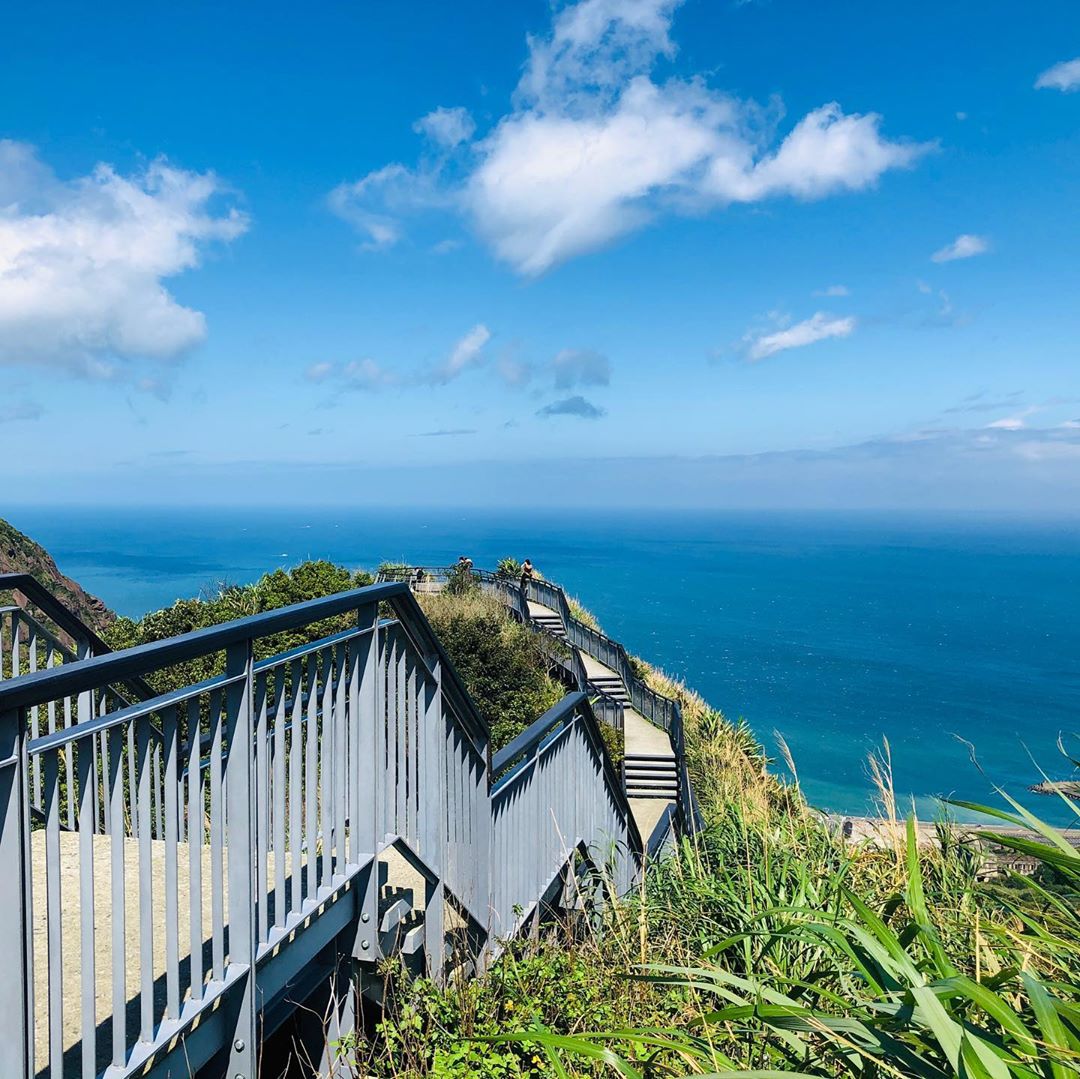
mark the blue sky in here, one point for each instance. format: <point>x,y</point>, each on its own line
<point>698,254</point>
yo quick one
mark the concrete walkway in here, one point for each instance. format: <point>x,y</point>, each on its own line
<point>642,738</point>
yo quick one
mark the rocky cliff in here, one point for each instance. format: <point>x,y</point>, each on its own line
<point>20,554</point>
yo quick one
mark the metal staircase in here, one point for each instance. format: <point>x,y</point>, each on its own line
<point>179,872</point>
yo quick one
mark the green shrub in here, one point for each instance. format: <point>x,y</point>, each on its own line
<point>500,660</point>
<point>509,569</point>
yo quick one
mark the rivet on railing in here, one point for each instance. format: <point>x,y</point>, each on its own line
<point>365,944</point>
<point>365,917</point>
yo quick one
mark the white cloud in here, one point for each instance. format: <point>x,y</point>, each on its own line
<point>964,246</point>
<point>580,367</point>
<point>1064,76</point>
<point>83,262</point>
<point>446,127</point>
<point>1014,423</point>
<point>816,328</point>
<point>468,352</point>
<point>833,290</point>
<point>375,204</point>
<point>595,148</point>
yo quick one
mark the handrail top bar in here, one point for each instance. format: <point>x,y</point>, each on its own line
<point>535,732</point>
<point>114,667</point>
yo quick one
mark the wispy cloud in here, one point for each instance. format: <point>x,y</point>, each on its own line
<point>964,246</point>
<point>833,291</point>
<point>580,367</point>
<point>572,406</point>
<point>83,263</point>
<point>24,410</point>
<point>594,147</point>
<point>1064,76</point>
<point>468,352</point>
<point>370,374</point>
<point>818,327</point>
<point>447,432</point>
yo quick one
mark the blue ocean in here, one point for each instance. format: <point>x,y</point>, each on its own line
<point>955,640</point>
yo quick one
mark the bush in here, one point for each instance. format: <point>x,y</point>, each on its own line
<point>500,660</point>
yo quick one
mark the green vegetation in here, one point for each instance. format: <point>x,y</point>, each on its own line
<point>500,660</point>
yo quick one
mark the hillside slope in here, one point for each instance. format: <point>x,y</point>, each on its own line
<point>20,554</point>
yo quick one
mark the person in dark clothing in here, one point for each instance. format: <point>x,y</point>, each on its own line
<point>526,573</point>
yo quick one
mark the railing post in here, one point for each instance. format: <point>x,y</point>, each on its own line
<point>240,817</point>
<point>16,954</point>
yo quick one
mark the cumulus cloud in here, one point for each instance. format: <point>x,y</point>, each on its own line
<point>594,147</point>
<point>580,367</point>
<point>965,246</point>
<point>572,406</point>
<point>446,127</point>
<point>1064,76</point>
<point>83,262</point>
<point>818,327</point>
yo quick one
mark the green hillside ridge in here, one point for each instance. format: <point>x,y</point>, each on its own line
<point>20,554</point>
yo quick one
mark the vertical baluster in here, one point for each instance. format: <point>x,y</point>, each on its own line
<point>412,746</point>
<point>16,641</point>
<point>296,744</point>
<point>311,774</point>
<point>117,896</point>
<point>401,716</point>
<point>87,761</point>
<point>144,796</point>
<point>133,771</point>
<point>35,724</point>
<point>195,832</point>
<point>326,767</point>
<point>54,913</point>
<point>279,795</point>
<point>217,880</point>
<point>338,762</point>
<point>356,653</point>
<point>262,811</point>
<point>16,941</point>
<point>170,750</point>
<point>241,827</point>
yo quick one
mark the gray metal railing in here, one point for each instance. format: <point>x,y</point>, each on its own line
<point>194,851</point>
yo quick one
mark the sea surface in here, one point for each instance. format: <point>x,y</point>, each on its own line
<point>947,638</point>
